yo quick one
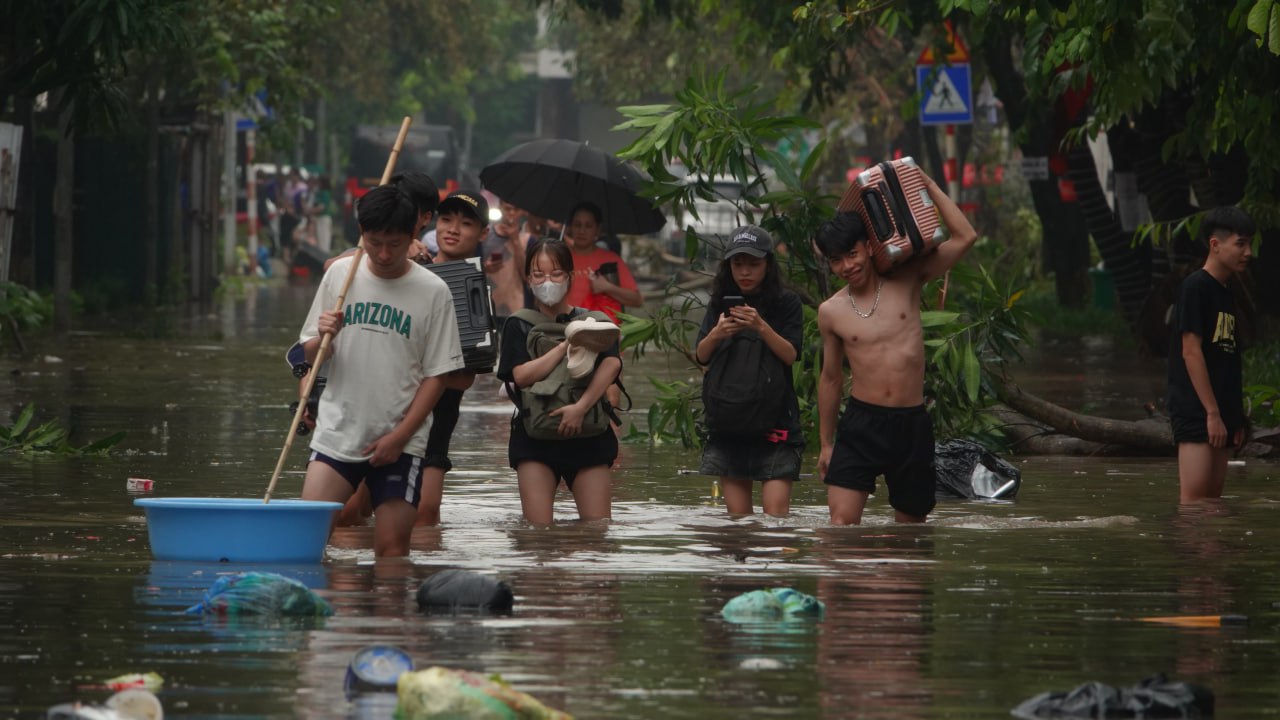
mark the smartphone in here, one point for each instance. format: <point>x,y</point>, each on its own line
<point>608,271</point>
<point>495,256</point>
<point>733,301</point>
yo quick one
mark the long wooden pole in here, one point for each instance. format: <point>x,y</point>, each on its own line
<point>310,380</point>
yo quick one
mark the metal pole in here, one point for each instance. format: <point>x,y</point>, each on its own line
<point>229,192</point>
<point>953,171</point>
<point>250,195</point>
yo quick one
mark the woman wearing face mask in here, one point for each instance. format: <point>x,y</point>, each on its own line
<point>584,463</point>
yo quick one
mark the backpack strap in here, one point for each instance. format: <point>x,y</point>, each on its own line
<point>531,316</point>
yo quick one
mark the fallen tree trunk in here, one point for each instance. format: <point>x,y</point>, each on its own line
<point>1036,426</point>
<point>1028,437</point>
<point>1152,435</point>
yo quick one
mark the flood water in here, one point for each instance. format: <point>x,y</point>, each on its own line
<point>987,605</point>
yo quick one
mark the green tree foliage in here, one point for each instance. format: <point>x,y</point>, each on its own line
<point>84,49</point>
<point>48,438</point>
<point>23,308</point>
<point>717,132</point>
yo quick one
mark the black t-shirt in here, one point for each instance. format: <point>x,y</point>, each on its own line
<point>1206,308</point>
<point>785,314</point>
<point>514,349</point>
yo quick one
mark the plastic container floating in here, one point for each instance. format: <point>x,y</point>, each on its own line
<point>376,668</point>
<point>238,529</point>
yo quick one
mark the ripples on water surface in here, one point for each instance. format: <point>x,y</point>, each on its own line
<point>985,606</point>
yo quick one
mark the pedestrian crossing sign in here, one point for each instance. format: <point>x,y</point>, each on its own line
<point>946,94</point>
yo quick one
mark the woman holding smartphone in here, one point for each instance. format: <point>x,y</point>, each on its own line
<point>747,297</point>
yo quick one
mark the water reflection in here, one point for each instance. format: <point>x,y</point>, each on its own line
<point>1204,588</point>
<point>877,634</point>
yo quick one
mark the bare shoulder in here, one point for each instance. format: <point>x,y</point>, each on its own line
<point>829,306</point>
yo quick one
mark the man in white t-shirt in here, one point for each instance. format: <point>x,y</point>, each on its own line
<point>393,340</point>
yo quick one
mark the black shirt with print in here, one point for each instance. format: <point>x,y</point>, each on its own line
<point>1206,308</point>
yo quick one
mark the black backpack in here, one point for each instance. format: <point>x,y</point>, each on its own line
<point>744,392</point>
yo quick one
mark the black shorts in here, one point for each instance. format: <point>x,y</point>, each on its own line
<point>895,442</point>
<point>565,457</point>
<point>401,479</point>
<point>751,459</point>
<point>444,418</point>
<point>1189,429</point>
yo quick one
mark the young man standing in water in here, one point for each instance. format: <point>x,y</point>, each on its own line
<point>462,221</point>
<point>386,374</point>
<point>874,323</point>
<point>1206,398</point>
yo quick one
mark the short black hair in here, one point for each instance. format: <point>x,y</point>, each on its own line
<point>840,235</point>
<point>1225,221</point>
<point>590,207</point>
<point>420,188</point>
<point>386,208</point>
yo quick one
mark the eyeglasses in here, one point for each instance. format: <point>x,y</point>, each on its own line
<point>555,276</point>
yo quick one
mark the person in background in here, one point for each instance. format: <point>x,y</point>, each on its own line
<point>290,214</point>
<point>750,274</point>
<point>1205,399</point>
<point>602,281</point>
<point>394,340</point>
<point>421,190</point>
<point>503,262</point>
<point>320,213</point>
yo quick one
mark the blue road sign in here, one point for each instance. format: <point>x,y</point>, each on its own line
<point>946,97</point>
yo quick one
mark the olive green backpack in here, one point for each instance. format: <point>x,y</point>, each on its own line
<point>558,389</point>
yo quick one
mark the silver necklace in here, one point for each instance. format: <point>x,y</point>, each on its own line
<point>874,305</point>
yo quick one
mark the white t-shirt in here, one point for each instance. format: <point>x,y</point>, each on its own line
<point>394,334</point>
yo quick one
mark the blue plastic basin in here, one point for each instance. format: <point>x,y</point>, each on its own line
<point>238,530</point>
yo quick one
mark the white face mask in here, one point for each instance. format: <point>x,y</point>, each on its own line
<point>551,293</point>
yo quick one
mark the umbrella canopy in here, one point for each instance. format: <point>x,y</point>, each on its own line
<point>549,177</point>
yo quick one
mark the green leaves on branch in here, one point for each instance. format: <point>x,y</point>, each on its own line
<point>23,307</point>
<point>967,348</point>
<point>48,438</point>
<point>716,133</point>
<point>1264,21</point>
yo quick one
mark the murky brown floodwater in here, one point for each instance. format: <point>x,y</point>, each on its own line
<point>984,607</point>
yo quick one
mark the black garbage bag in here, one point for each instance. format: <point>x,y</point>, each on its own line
<point>1154,697</point>
<point>454,590</point>
<point>967,471</point>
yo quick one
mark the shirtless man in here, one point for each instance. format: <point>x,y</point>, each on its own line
<point>874,323</point>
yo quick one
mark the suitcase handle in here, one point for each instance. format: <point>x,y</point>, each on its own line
<point>900,206</point>
<point>873,201</point>
<point>478,303</point>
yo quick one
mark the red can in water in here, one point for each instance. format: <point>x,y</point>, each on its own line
<point>138,485</point>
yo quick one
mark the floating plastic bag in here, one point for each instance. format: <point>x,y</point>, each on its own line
<point>967,471</point>
<point>133,704</point>
<point>146,681</point>
<point>459,589</point>
<point>437,693</point>
<point>772,604</point>
<point>255,593</point>
<point>1154,697</point>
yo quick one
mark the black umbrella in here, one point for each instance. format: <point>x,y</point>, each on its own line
<point>548,177</point>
